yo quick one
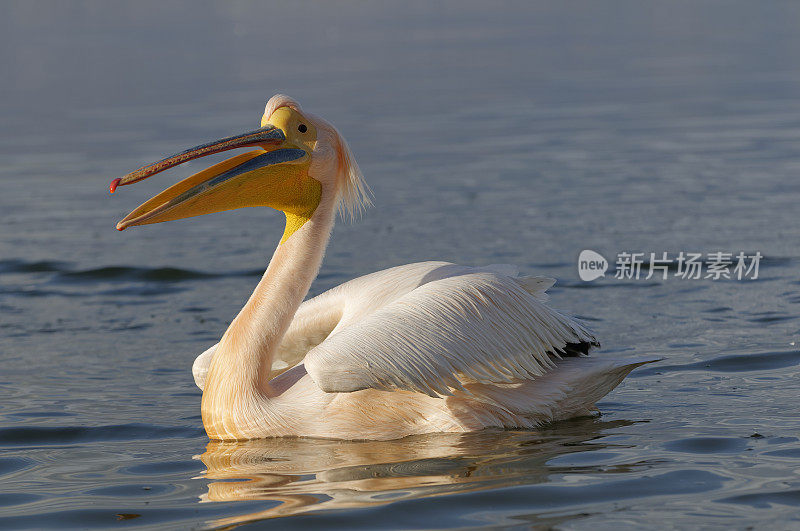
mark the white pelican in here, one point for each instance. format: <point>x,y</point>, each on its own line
<point>420,348</point>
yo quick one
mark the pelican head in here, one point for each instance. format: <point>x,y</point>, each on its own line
<point>301,160</point>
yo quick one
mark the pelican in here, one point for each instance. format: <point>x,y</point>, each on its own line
<point>420,348</point>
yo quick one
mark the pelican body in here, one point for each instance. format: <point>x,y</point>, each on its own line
<point>420,348</point>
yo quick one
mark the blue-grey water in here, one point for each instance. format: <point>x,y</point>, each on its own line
<point>513,132</point>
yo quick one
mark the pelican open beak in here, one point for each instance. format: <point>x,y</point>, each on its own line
<point>273,175</point>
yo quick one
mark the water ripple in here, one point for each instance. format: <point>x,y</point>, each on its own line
<point>9,465</point>
<point>765,500</point>
<point>736,363</point>
<point>707,445</point>
<point>59,435</point>
<point>65,272</point>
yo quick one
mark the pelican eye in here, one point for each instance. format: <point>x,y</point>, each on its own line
<point>302,128</point>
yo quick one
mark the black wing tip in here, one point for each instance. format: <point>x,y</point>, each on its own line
<point>579,349</point>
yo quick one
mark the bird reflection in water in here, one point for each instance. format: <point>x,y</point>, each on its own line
<point>305,475</point>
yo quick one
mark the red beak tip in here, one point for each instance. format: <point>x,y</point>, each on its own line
<point>114,184</point>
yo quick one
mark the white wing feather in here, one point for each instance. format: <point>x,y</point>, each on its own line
<point>477,325</point>
<point>349,303</point>
<point>427,326</point>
